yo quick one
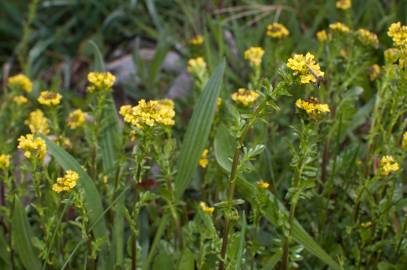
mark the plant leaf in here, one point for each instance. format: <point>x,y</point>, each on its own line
<point>99,64</point>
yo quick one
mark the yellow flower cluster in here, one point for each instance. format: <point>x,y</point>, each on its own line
<point>277,31</point>
<point>367,37</point>
<point>197,65</point>
<point>305,67</point>
<point>49,98</point>
<point>203,161</point>
<point>254,55</point>
<point>398,33</point>
<point>20,81</point>
<point>244,96</point>
<point>20,100</point>
<point>33,147</point>
<point>322,36</point>
<point>100,81</point>
<point>374,72</point>
<point>404,141</point>
<point>262,185</point>
<point>206,209</point>
<point>66,183</point>
<point>339,27</point>
<point>149,113</point>
<point>312,107</point>
<point>388,165</point>
<point>37,122</point>
<point>76,119</point>
<point>344,4</point>
<point>196,40</point>
<point>4,161</point>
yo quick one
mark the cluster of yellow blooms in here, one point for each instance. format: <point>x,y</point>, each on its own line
<point>49,98</point>
<point>339,27</point>
<point>262,185</point>
<point>312,107</point>
<point>388,165</point>
<point>244,96</point>
<point>33,147</point>
<point>197,65</point>
<point>322,36</point>
<point>203,160</point>
<point>398,33</point>
<point>196,40</point>
<point>20,81</point>
<point>100,81</point>
<point>149,113</point>
<point>4,161</point>
<point>20,100</point>
<point>374,72</point>
<point>367,37</point>
<point>305,67</point>
<point>344,4</point>
<point>404,141</point>
<point>37,122</point>
<point>76,119</point>
<point>254,55</point>
<point>66,183</point>
<point>206,209</point>
<point>277,31</point>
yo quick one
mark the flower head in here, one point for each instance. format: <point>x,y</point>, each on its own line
<point>277,31</point>
<point>254,55</point>
<point>49,98</point>
<point>344,4</point>
<point>244,96</point>
<point>206,209</point>
<point>67,182</point>
<point>398,33</point>
<point>203,160</point>
<point>312,107</point>
<point>76,119</point>
<point>37,122</point>
<point>20,100</point>
<point>391,55</point>
<point>34,148</point>
<point>20,82</point>
<point>339,27</point>
<point>322,36</point>
<point>262,185</point>
<point>388,165</point>
<point>196,40</point>
<point>196,65</point>
<point>305,67</point>
<point>100,81</point>
<point>368,38</point>
<point>374,72</point>
<point>4,161</point>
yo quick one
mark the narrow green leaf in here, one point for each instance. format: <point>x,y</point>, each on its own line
<point>22,240</point>
<point>118,232</point>
<point>197,133</point>
<point>4,254</point>
<point>161,51</point>
<point>98,60</point>
<point>241,243</point>
<point>271,263</point>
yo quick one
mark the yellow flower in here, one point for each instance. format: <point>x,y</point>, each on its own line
<point>391,55</point>
<point>203,161</point>
<point>404,142</point>
<point>305,67</point>
<point>244,96</point>
<point>4,161</point>
<point>196,40</point>
<point>20,100</point>
<point>21,82</point>
<point>368,38</point>
<point>262,185</point>
<point>366,225</point>
<point>196,66</point>
<point>67,182</point>
<point>149,113</point>
<point>76,119</point>
<point>254,55</point>
<point>312,107</point>
<point>388,165</point>
<point>322,36</point>
<point>37,122</point>
<point>64,142</point>
<point>34,148</point>
<point>100,81</point>
<point>374,72</point>
<point>344,4</point>
<point>398,33</point>
<point>339,27</point>
<point>206,209</point>
<point>277,31</point>
<point>49,98</point>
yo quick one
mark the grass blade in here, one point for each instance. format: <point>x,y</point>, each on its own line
<point>99,64</point>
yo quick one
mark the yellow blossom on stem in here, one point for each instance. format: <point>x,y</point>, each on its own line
<point>20,100</point>
<point>312,107</point>
<point>344,4</point>
<point>388,165</point>
<point>398,33</point>
<point>305,67</point>
<point>196,65</point>
<point>67,182</point>
<point>322,36</point>
<point>374,72</point>
<point>37,122</point>
<point>339,27</point>
<point>76,119</point>
<point>391,55</point>
<point>4,161</point>
<point>196,40</point>
<point>404,141</point>
<point>34,148</point>
<point>20,81</point>
<point>49,98</point>
<point>203,161</point>
<point>100,81</point>
<point>254,55</point>
<point>262,185</point>
<point>368,38</point>
<point>277,31</point>
<point>244,96</point>
<point>206,209</point>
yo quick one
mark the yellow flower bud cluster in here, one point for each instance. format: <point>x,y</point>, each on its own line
<point>203,161</point>
<point>20,82</point>
<point>322,36</point>
<point>49,98</point>
<point>339,27</point>
<point>37,122</point>
<point>196,40</point>
<point>67,182</point>
<point>34,148</point>
<point>76,119</point>
<point>4,161</point>
<point>254,55</point>
<point>100,81</point>
<point>196,66</point>
<point>206,209</point>
<point>388,165</point>
<point>277,31</point>
<point>262,185</point>
<point>312,107</point>
<point>305,67</point>
<point>374,72</point>
<point>20,100</point>
<point>244,96</point>
<point>344,4</point>
<point>398,33</point>
<point>368,38</point>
